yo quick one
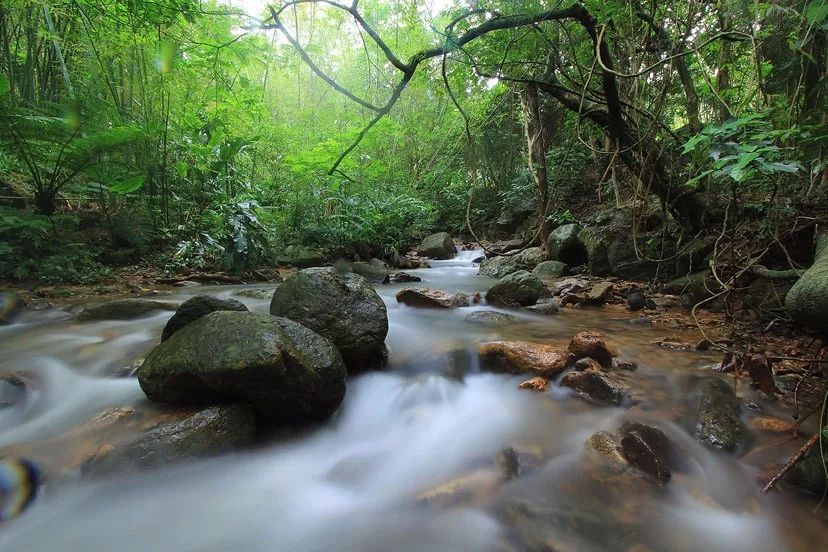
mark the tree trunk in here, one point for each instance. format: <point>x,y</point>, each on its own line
<point>536,142</point>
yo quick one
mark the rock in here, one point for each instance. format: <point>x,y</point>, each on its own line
<point>695,287</point>
<point>520,288</point>
<point>513,462</point>
<point>718,423</point>
<point>371,272</point>
<point>462,490</point>
<point>186,283</point>
<point>283,370</point>
<point>546,308</point>
<point>378,263</point>
<point>194,308</point>
<point>807,301</point>
<point>569,285</point>
<point>604,445</point>
<point>341,307</point>
<point>674,343</point>
<point>489,317</point>
<point>773,425</point>
<point>129,370</point>
<point>12,390</point>
<point>691,258</point>
<point>209,432</point>
<point>625,365</point>
<point>636,301</point>
<point>597,386</point>
<point>10,304</point>
<point>587,363</point>
<point>500,247</point>
<point>549,270</point>
<point>522,357</point>
<point>256,293</point>
<point>541,385</point>
<point>123,309</point>
<point>591,344</point>
<point>809,472</point>
<point>598,294</point>
<point>403,277</point>
<point>501,266</point>
<point>641,321</point>
<point>431,298</point>
<point>300,257</point>
<point>437,246</point>
<point>407,263</point>
<point>563,245</point>
<point>478,260</point>
<point>641,454</point>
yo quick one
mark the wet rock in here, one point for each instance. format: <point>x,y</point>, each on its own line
<point>371,272</point>
<point>549,270</point>
<point>489,317</point>
<point>403,277</point>
<point>598,294</point>
<point>770,424</point>
<point>513,462</point>
<point>625,365</point>
<point>10,305</point>
<point>587,363</point>
<point>281,369</point>
<point>541,385</point>
<point>437,246</point>
<point>500,247</point>
<point>300,257</point>
<point>432,298</point>
<point>186,283</point>
<point>809,473</point>
<point>499,267</point>
<point>256,293</point>
<point>522,357</point>
<point>194,308</point>
<point>547,308</point>
<point>597,386</point>
<point>641,321</point>
<point>718,423</point>
<point>478,260</point>
<point>520,288</point>
<point>636,301</point>
<point>12,390</point>
<point>641,454</point>
<point>408,263</point>
<point>592,344</point>
<point>209,432</point>
<point>123,309</point>
<point>604,445</point>
<point>674,344</point>
<point>343,308</point>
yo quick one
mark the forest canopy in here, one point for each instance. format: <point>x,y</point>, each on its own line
<point>225,134</point>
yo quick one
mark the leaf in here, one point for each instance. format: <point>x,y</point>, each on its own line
<point>181,168</point>
<point>128,186</point>
<point>4,85</point>
<point>691,144</point>
<point>817,11</point>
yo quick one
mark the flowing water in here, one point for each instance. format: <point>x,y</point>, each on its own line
<point>358,483</point>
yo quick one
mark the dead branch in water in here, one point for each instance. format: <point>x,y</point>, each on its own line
<point>792,462</point>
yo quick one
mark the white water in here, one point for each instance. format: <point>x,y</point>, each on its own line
<point>353,485</point>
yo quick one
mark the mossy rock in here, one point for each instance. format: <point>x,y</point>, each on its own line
<point>437,246</point>
<point>519,288</point>
<point>501,266</point>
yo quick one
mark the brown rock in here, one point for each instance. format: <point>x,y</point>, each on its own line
<point>598,294</point>
<point>597,386</point>
<point>521,357</point>
<point>626,365</point>
<point>774,425</point>
<point>591,344</point>
<point>540,385</point>
<point>604,445</point>
<point>431,298</point>
<point>587,363</point>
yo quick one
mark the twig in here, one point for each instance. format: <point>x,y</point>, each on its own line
<point>791,463</point>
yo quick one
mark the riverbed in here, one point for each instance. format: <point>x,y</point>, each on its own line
<point>367,480</point>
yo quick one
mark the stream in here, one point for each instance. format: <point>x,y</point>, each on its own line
<point>357,483</point>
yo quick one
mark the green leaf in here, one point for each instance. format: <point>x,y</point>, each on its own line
<point>128,186</point>
<point>817,11</point>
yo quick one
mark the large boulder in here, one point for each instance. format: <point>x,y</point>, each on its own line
<point>437,246</point>
<point>342,307</point>
<point>549,270</point>
<point>520,288</point>
<point>498,267</point>
<point>431,298</point>
<point>807,301</point>
<point>563,245</point>
<point>718,423</point>
<point>194,308</point>
<point>123,309</point>
<point>209,432</point>
<point>522,357</point>
<point>281,369</point>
